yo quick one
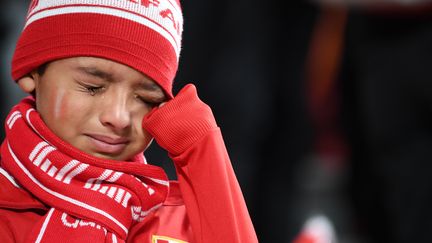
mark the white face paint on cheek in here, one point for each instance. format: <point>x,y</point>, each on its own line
<point>58,103</point>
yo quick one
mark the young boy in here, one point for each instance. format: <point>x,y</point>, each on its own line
<point>100,73</point>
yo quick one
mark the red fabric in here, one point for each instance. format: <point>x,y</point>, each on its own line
<point>214,209</point>
<point>108,197</point>
<point>168,221</point>
<point>20,212</point>
<point>305,238</point>
<point>212,195</point>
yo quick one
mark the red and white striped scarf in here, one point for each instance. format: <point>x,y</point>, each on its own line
<point>91,199</point>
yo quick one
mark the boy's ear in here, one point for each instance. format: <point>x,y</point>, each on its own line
<point>28,83</point>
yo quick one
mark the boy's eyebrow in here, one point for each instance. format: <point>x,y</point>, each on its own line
<point>93,71</point>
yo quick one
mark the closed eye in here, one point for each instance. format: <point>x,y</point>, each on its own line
<point>148,101</point>
<point>94,90</point>
<point>91,89</point>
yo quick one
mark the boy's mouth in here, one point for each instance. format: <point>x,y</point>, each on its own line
<point>107,144</point>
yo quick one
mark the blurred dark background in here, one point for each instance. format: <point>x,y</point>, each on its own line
<point>325,107</point>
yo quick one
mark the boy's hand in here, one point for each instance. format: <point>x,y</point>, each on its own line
<point>179,123</point>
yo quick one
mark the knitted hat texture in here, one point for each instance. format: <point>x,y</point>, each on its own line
<point>143,34</point>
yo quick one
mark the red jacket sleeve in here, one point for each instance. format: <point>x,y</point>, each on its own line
<point>186,128</point>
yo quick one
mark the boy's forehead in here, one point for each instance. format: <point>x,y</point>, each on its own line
<point>100,67</point>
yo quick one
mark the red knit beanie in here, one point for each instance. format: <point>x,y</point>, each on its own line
<point>143,34</point>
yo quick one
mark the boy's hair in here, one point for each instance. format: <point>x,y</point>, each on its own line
<point>143,34</point>
<point>41,69</point>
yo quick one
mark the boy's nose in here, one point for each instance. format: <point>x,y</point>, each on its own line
<point>115,113</point>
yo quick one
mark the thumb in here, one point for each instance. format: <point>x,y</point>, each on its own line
<point>187,90</point>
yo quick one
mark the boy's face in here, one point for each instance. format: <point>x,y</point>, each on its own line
<point>97,105</point>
